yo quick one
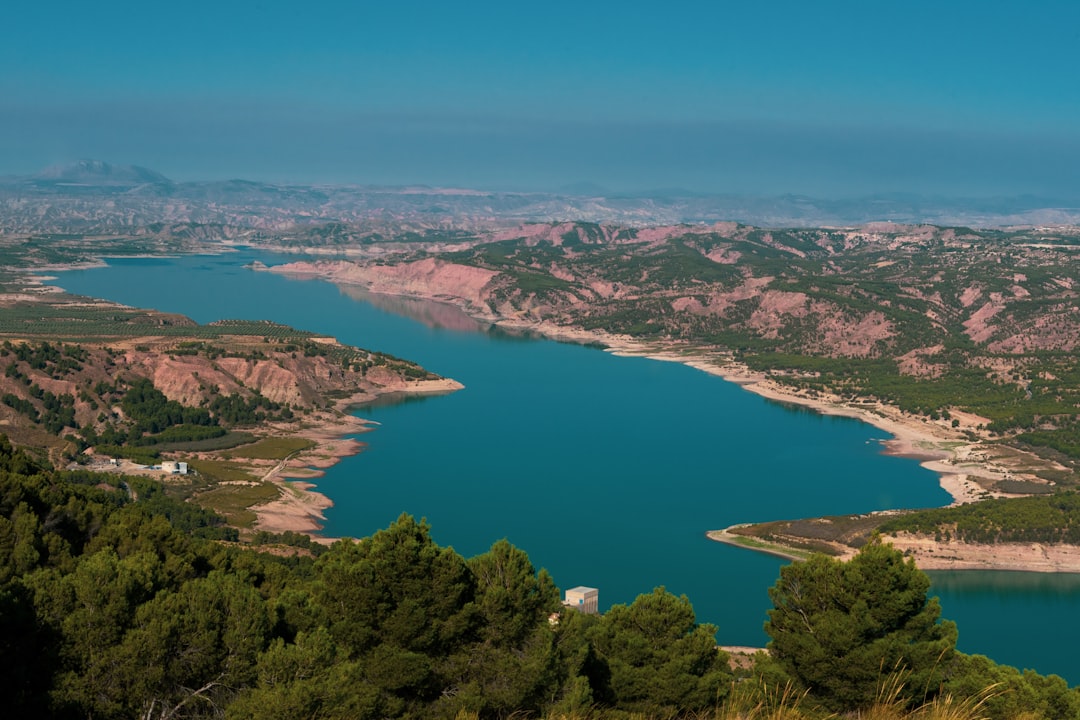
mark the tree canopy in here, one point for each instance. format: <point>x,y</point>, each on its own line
<point>839,628</point>
<point>114,607</point>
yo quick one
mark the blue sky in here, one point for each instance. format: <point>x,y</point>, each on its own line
<point>820,98</point>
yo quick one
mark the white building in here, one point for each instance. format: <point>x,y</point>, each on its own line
<point>585,599</point>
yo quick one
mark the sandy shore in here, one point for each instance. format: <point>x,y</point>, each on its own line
<point>935,445</point>
<point>942,449</point>
<point>939,446</point>
<point>742,541</point>
<point>931,554</point>
<point>300,506</point>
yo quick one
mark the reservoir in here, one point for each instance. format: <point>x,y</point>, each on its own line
<point>608,471</point>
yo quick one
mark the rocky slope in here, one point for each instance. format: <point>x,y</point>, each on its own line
<point>308,378</point>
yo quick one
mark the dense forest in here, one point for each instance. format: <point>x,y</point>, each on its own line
<point>119,602</point>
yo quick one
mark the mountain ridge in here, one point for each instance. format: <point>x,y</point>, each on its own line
<point>63,197</point>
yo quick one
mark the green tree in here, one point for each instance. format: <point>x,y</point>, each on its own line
<point>513,666</point>
<point>839,628</point>
<point>91,609</point>
<point>511,596</point>
<point>400,606</point>
<point>1012,692</point>
<point>191,648</point>
<point>27,654</point>
<point>307,680</point>
<point>661,660</point>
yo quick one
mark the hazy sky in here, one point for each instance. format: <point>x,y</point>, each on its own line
<point>822,98</point>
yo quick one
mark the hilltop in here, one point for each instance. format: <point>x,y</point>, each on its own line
<point>97,173</point>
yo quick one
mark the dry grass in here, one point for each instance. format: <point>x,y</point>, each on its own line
<point>759,701</point>
<point>762,702</point>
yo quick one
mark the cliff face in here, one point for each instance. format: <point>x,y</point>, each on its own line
<point>300,381</point>
<point>880,291</point>
<point>429,278</point>
<point>53,390</point>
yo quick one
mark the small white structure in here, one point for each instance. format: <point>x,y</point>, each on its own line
<point>181,467</point>
<point>174,467</point>
<point>584,599</point>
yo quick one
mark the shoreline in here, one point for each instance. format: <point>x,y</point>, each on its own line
<point>931,554</point>
<point>301,507</point>
<point>744,542</point>
<point>943,451</point>
<point>911,437</point>
<point>959,461</point>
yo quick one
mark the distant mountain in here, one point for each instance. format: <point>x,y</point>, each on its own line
<point>99,173</point>
<point>584,188</point>
<point>94,194</point>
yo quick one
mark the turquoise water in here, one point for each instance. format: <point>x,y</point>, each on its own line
<point>607,471</point>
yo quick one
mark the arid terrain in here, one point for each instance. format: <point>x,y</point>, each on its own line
<point>960,341</point>
<point>254,408</point>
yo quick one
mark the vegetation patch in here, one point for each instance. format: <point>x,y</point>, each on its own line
<point>234,501</point>
<point>221,471</point>
<point>103,584</point>
<point>815,534</point>
<point>1023,487</point>
<point>1053,518</point>
<point>225,442</point>
<point>271,448</point>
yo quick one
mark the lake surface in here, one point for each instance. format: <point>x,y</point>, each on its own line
<point>608,471</point>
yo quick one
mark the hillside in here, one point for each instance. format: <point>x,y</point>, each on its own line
<point>973,330</point>
<point>247,404</point>
<point>1038,533</point>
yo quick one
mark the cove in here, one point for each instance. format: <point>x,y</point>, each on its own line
<point>608,471</point>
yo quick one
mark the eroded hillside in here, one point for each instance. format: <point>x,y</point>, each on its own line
<point>254,377</point>
<point>932,320</point>
<point>246,404</point>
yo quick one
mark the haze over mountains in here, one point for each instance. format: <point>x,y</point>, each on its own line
<point>95,194</point>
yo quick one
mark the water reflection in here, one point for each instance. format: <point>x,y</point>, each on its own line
<point>961,583</point>
<point>391,400</point>
<point>431,314</point>
<point>502,333</point>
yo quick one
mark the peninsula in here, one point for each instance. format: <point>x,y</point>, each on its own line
<point>254,409</point>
